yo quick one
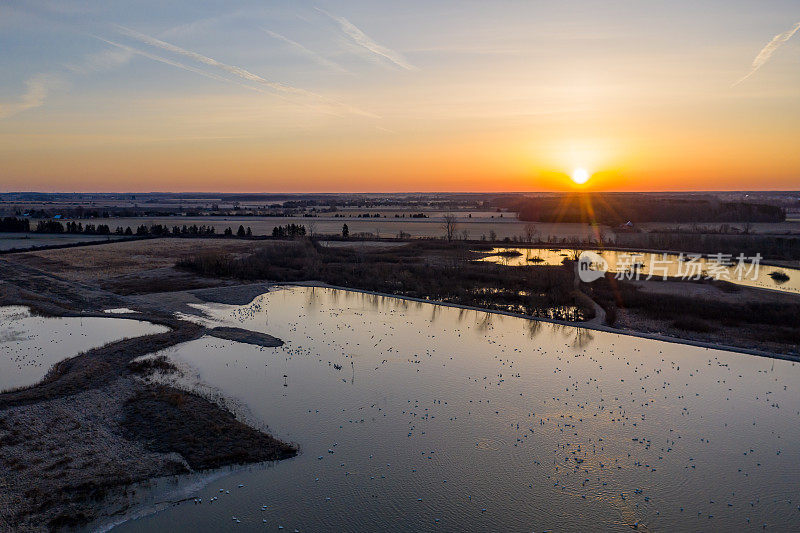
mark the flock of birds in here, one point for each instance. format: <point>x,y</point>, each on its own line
<point>439,418</point>
<point>31,345</point>
<point>23,349</point>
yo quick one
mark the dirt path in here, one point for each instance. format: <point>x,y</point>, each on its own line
<point>599,315</point>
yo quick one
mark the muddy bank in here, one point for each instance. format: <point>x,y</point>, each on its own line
<point>100,366</point>
<point>204,437</point>
<point>72,446</point>
<point>182,300</point>
<point>62,458</point>
<point>245,336</point>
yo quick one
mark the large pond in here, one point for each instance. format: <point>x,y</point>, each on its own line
<point>657,264</point>
<point>31,345</point>
<point>420,417</point>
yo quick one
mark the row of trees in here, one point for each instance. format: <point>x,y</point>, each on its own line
<point>20,225</point>
<point>16,225</point>
<point>450,226</point>
<point>160,230</point>
<point>75,212</point>
<point>289,230</point>
<point>164,230</point>
<point>89,229</point>
<point>618,208</point>
<point>241,232</point>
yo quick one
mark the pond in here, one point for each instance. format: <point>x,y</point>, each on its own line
<point>31,345</point>
<point>673,265</point>
<point>414,416</point>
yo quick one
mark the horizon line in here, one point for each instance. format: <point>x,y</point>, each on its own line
<point>297,193</point>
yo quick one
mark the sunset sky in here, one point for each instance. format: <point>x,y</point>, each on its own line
<point>398,96</point>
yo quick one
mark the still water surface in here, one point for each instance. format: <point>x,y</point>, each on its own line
<point>31,345</point>
<point>670,264</point>
<point>444,419</point>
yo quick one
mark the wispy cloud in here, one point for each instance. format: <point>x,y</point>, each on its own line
<point>766,52</point>
<point>231,69</point>
<point>207,24</point>
<point>280,89</point>
<point>37,89</point>
<point>305,51</point>
<point>99,61</point>
<point>362,39</point>
<point>177,64</point>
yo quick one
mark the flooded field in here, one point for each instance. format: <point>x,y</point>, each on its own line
<point>31,345</point>
<point>673,266</point>
<point>420,417</point>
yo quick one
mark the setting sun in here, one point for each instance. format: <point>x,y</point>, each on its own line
<point>580,176</point>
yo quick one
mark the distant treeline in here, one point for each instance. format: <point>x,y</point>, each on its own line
<point>54,226</point>
<point>289,230</point>
<point>615,209</point>
<point>71,212</point>
<point>15,225</point>
<point>769,246</point>
<point>22,225</point>
<point>162,230</point>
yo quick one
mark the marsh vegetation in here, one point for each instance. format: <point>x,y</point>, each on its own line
<point>427,270</point>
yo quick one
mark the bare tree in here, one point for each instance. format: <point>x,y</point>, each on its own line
<point>465,234</point>
<point>530,232</point>
<point>312,227</point>
<point>492,235</point>
<point>450,226</point>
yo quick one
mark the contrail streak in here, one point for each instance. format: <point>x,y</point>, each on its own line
<point>305,51</point>
<point>201,72</point>
<point>177,64</point>
<point>766,52</point>
<point>234,70</point>
<point>237,71</point>
<point>362,39</point>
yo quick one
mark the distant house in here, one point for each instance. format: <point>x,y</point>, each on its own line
<point>628,226</point>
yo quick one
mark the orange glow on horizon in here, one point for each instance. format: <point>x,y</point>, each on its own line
<point>403,160</point>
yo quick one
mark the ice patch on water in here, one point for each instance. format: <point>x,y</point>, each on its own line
<point>119,311</point>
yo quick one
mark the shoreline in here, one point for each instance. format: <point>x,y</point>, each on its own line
<point>75,381</point>
<point>248,292</point>
<point>594,327</point>
<point>75,446</point>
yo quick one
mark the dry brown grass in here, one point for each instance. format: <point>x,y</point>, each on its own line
<point>115,259</point>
